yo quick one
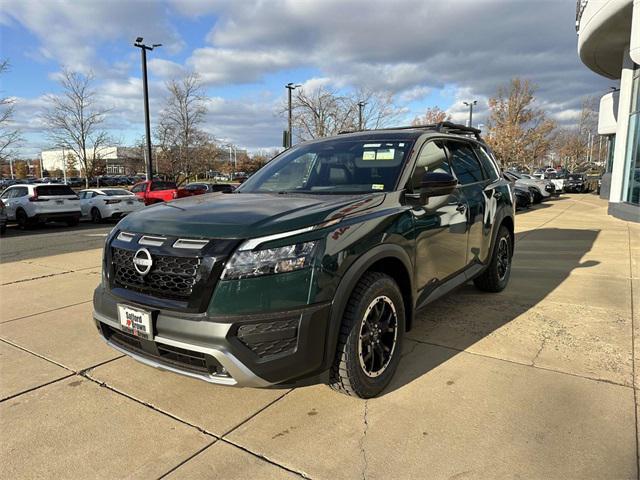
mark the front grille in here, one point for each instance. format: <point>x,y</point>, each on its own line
<point>189,360</point>
<point>270,338</point>
<point>170,277</point>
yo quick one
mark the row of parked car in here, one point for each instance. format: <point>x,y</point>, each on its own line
<point>29,204</point>
<point>530,189</point>
<point>32,204</point>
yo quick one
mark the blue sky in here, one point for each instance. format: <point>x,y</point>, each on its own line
<point>423,52</point>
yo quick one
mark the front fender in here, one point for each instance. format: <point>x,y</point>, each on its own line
<point>349,281</point>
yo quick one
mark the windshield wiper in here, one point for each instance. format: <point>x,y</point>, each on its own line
<point>169,204</point>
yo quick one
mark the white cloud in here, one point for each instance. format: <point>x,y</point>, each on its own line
<point>223,66</point>
<point>165,68</point>
<point>69,32</point>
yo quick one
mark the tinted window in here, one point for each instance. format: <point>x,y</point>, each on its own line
<point>115,191</point>
<point>490,169</point>
<point>465,164</point>
<point>432,158</point>
<point>54,190</point>
<point>221,188</point>
<point>20,192</point>
<point>163,186</point>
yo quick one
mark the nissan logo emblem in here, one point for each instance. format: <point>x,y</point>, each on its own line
<point>142,261</point>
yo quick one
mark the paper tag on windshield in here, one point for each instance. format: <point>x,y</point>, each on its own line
<point>377,186</point>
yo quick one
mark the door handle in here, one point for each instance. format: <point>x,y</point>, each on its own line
<point>497,195</point>
<point>461,208</point>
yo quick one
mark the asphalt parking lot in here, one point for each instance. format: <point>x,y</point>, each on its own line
<point>538,381</point>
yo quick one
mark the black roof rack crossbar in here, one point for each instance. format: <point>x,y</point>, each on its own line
<point>441,127</point>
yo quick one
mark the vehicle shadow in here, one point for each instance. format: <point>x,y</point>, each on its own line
<point>466,316</point>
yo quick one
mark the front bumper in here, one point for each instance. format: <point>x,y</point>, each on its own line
<point>241,350</point>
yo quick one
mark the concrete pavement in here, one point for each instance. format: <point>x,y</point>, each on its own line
<point>539,381</point>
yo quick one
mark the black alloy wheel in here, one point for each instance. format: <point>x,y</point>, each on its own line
<point>370,339</point>
<point>378,336</point>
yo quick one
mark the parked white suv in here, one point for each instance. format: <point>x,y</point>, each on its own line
<point>106,203</point>
<point>39,203</point>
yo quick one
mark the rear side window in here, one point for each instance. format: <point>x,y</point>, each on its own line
<point>465,164</point>
<point>163,186</point>
<point>21,192</point>
<point>487,162</point>
<point>54,190</point>
<point>432,158</point>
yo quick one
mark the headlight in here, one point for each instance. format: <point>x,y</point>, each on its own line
<point>253,263</point>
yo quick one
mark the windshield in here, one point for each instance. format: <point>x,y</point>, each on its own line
<point>336,166</point>
<point>54,190</point>
<point>115,191</point>
<point>163,186</point>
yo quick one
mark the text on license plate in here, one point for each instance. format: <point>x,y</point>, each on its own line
<point>134,321</point>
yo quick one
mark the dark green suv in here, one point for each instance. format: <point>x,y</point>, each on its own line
<point>313,269</point>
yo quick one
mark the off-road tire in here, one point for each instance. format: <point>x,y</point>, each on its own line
<point>490,280</point>
<point>346,374</point>
<point>96,216</point>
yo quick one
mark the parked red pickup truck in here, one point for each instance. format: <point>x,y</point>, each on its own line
<point>158,191</point>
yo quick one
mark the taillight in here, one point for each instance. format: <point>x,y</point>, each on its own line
<point>109,202</point>
<point>36,199</point>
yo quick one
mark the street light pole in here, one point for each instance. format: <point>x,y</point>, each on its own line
<point>470,104</point>
<point>143,49</point>
<point>290,87</point>
<point>361,105</point>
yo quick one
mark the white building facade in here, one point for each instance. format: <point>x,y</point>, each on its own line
<point>609,44</point>
<point>115,159</point>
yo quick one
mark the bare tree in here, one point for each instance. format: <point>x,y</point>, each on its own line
<point>324,112</point>
<point>9,135</point>
<point>179,136</point>
<point>432,115</point>
<point>74,120</point>
<point>519,132</point>
<point>576,145</point>
<point>379,109</point>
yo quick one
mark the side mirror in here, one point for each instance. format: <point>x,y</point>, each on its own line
<point>436,184</point>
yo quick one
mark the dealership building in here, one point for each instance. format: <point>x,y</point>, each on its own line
<point>115,159</point>
<point>609,44</point>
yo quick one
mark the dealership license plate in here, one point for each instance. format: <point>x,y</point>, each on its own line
<point>129,202</point>
<point>59,202</point>
<point>134,321</point>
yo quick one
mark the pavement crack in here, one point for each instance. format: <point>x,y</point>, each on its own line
<point>299,473</point>
<point>542,345</point>
<point>413,347</point>
<point>87,374</point>
<point>363,451</point>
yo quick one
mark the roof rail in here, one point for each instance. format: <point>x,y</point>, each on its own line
<point>443,127</point>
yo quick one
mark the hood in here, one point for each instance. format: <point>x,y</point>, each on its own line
<point>243,215</point>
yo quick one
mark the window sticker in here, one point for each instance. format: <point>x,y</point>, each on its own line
<point>379,154</point>
<point>377,186</point>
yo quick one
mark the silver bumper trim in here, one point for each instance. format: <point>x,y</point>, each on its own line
<point>241,376</point>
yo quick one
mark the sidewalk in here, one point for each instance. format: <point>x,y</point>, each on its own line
<point>536,382</point>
